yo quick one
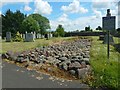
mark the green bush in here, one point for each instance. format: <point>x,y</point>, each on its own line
<point>18,37</point>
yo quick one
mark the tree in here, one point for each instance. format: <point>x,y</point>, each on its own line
<point>42,21</point>
<point>99,28</point>
<point>118,29</point>
<point>77,30</point>
<point>30,25</point>
<point>12,22</point>
<point>60,31</point>
<point>87,28</point>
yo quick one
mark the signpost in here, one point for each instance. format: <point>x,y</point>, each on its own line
<point>108,46</point>
<point>108,24</point>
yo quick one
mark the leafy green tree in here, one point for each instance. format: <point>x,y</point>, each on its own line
<point>42,21</point>
<point>99,28</point>
<point>87,28</point>
<point>118,30</point>
<point>30,25</point>
<point>60,31</point>
<point>12,22</point>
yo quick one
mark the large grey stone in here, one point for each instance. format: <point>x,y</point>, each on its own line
<point>8,37</point>
<point>86,59</point>
<point>64,66</point>
<point>73,72</point>
<point>83,64</point>
<point>62,59</point>
<point>82,73</point>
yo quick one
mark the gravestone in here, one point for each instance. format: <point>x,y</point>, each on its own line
<point>29,37</point>
<point>105,41</point>
<point>38,35</point>
<point>23,36</point>
<point>48,36</point>
<point>8,36</point>
<point>101,37</point>
<point>51,35</point>
<point>42,36</point>
<point>34,34</point>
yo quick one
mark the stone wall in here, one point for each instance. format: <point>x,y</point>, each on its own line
<point>84,34</point>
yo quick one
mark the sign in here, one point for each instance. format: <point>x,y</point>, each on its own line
<point>109,23</point>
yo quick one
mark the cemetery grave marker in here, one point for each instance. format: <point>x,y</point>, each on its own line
<point>29,37</point>
<point>8,36</point>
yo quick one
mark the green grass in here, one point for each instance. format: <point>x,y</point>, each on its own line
<point>22,46</point>
<point>105,72</point>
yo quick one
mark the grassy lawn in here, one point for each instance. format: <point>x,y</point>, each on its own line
<point>105,74</point>
<point>21,46</point>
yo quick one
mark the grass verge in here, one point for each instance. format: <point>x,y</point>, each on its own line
<point>22,46</point>
<point>105,72</point>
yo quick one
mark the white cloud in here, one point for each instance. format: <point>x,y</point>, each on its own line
<point>63,18</point>
<point>27,8</point>
<point>101,4</point>
<point>7,1</point>
<point>97,13</point>
<point>42,7</point>
<point>76,24</point>
<point>74,7</point>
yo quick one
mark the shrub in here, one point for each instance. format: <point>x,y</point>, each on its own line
<point>18,37</point>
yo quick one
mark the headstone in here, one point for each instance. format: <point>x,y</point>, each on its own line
<point>105,41</point>
<point>101,37</point>
<point>8,36</point>
<point>51,35</point>
<point>23,36</point>
<point>38,35</point>
<point>48,36</point>
<point>34,34</point>
<point>29,37</point>
<point>43,36</point>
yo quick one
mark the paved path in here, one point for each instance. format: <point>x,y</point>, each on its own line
<point>17,77</point>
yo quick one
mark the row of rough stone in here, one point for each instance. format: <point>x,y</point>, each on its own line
<point>72,57</point>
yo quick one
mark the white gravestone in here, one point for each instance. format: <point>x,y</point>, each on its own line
<point>23,36</point>
<point>51,35</point>
<point>29,37</point>
<point>43,36</point>
<point>38,35</point>
<point>34,33</point>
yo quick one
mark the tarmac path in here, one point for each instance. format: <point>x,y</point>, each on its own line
<point>18,77</point>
